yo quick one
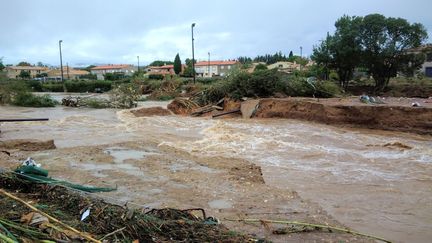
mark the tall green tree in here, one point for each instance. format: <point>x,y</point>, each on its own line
<point>379,44</point>
<point>341,51</point>
<point>385,43</point>
<point>177,64</point>
<point>290,55</point>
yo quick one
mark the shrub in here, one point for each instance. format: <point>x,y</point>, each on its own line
<point>28,99</point>
<point>96,103</point>
<point>261,83</point>
<point>156,76</point>
<point>114,76</point>
<point>328,89</point>
<point>52,87</point>
<point>87,86</point>
<point>298,86</point>
<point>260,66</point>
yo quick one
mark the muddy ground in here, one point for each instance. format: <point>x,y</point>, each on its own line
<point>162,177</point>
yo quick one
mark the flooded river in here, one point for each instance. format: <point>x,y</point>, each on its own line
<point>373,181</point>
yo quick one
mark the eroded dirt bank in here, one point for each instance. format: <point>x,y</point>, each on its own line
<point>395,115</point>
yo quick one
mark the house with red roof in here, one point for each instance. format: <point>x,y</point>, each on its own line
<point>163,70</point>
<point>214,68</point>
<point>100,71</point>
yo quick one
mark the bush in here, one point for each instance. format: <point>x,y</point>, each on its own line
<point>156,76</point>
<point>28,99</point>
<point>261,83</point>
<point>96,103</point>
<point>114,76</point>
<point>52,87</point>
<point>89,76</point>
<point>328,89</point>
<point>260,66</point>
<point>87,86</point>
<point>298,86</point>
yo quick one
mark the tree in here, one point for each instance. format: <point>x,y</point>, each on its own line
<point>385,44</point>
<point>290,55</point>
<point>1,64</point>
<point>342,51</point>
<point>25,64</point>
<point>159,63</point>
<point>260,66</point>
<point>379,44</point>
<point>40,64</point>
<point>88,68</point>
<point>177,64</point>
<point>24,74</point>
<point>244,60</point>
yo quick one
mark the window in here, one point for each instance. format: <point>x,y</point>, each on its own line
<point>429,57</point>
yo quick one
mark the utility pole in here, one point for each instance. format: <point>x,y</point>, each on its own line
<point>209,64</point>
<point>193,54</point>
<point>67,70</point>
<point>61,61</point>
<point>138,63</point>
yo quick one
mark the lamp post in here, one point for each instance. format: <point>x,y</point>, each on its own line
<point>138,63</point>
<point>61,61</point>
<point>193,54</point>
<point>301,56</point>
<point>209,64</point>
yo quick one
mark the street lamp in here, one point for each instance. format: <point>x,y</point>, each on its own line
<point>193,54</point>
<point>301,56</point>
<point>61,61</point>
<point>209,64</point>
<point>138,63</point>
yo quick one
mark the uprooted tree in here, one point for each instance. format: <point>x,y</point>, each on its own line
<point>379,44</point>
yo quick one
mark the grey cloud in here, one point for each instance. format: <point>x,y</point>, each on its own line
<point>117,31</point>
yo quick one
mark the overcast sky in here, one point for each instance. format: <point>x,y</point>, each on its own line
<point>109,31</point>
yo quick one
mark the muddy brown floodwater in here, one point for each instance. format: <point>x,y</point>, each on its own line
<point>372,181</point>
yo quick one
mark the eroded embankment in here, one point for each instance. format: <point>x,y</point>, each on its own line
<point>387,117</point>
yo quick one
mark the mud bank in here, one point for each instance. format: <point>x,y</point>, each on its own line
<point>392,116</point>
<point>27,144</point>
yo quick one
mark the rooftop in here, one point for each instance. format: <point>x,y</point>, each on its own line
<point>112,66</point>
<point>212,63</point>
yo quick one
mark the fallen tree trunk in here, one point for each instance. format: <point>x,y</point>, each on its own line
<point>226,113</point>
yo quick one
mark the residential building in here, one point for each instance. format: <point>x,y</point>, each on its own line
<point>13,72</point>
<point>426,67</point>
<point>68,73</point>
<point>163,70</point>
<point>214,68</point>
<point>126,69</point>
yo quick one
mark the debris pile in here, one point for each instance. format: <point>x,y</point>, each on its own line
<point>36,212</point>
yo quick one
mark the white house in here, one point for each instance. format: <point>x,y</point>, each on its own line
<point>214,68</point>
<point>126,69</point>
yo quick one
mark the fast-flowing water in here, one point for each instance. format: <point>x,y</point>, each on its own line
<point>373,181</point>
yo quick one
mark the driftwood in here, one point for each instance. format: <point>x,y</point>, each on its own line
<point>226,113</point>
